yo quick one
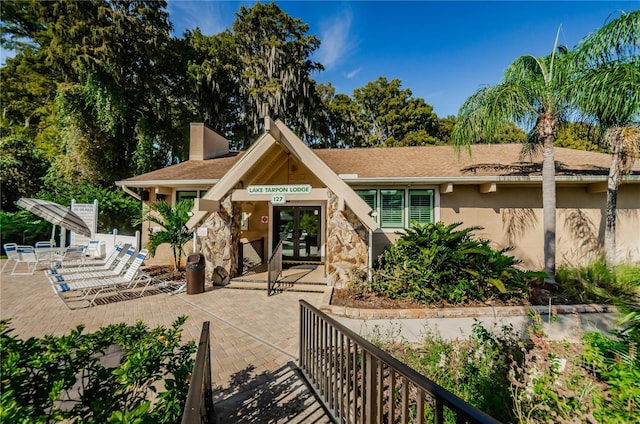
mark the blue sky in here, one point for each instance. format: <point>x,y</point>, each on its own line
<point>442,50</point>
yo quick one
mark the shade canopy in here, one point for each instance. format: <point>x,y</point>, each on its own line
<point>56,214</point>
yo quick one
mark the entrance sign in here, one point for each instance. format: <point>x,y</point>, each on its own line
<point>89,214</point>
<point>278,199</point>
<point>280,189</point>
<point>202,231</point>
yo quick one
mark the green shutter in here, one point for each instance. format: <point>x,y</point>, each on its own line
<point>369,196</point>
<point>421,206</point>
<point>392,208</point>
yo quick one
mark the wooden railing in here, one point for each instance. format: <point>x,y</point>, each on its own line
<point>198,407</point>
<point>274,268</point>
<point>359,383</point>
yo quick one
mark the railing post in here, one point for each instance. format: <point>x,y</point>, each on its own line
<point>198,407</point>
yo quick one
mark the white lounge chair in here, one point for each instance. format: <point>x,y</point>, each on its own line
<point>118,270</point>
<point>92,249</point>
<point>90,266</point>
<point>11,249</point>
<point>83,261</point>
<point>82,289</point>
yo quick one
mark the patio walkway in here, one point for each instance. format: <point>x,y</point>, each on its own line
<point>254,339</point>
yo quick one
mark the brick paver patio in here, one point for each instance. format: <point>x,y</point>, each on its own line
<point>254,339</point>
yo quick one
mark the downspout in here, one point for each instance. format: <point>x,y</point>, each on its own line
<point>131,192</point>
<point>369,273</point>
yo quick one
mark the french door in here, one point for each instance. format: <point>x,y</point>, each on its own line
<point>299,229</point>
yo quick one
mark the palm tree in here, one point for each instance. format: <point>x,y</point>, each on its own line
<point>533,93</point>
<point>172,219</point>
<point>607,90</point>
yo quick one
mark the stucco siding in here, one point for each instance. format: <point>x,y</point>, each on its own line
<point>513,217</point>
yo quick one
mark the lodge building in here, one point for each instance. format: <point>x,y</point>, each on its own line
<point>340,208</point>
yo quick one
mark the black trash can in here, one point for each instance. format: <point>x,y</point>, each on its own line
<point>195,273</point>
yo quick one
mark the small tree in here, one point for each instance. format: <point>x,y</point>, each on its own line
<point>173,220</point>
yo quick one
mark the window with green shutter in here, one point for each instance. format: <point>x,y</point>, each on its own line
<point>421,206</point>
<point>371,198</point>
<point>392,208</point>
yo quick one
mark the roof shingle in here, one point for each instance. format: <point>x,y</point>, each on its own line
<point>412,162</point>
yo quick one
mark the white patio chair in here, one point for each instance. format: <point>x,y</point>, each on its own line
<point>46,250</point>
<point>26,255</point>
<point>11,249</point>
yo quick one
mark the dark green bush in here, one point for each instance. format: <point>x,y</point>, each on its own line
<point>435,263</point>
<point>149,385</point>
<point>23,227</point>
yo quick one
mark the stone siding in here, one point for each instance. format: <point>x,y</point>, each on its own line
<point>220,247</point>
<point>347,245</point>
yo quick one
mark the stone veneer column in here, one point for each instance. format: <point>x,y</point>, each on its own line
<point>220,247</point>
<point>347,245</point>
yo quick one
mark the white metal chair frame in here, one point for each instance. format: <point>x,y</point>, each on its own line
<point>11,249</point>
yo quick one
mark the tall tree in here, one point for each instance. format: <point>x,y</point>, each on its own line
<point>212,67</point>
<point>112,62</point>
<point>275,70</point>
<point>607,89</point>
<point>394,116</point>
<point>533,93</point>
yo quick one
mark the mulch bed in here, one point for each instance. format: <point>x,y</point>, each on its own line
<point>166,273</point>
<point>341,297</point>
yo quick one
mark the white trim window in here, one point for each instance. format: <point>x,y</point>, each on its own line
<point>398,207</point>
<point>392,208</point>
<point>189,194</point>
<point>421,206</point>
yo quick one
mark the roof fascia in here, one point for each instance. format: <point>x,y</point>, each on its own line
<point>170,183</point>
<point>484,179</point>
<point>303,153</point>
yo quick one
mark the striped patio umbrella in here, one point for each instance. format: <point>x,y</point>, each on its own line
<point>56,214</point>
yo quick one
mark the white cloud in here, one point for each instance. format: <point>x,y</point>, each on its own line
<point>336,39</point>
<point>353,73</point>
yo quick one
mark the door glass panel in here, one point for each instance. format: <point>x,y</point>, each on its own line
<point>286,230</point>
<point>309,224</point>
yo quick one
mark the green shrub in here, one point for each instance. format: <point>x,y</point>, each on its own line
<point>23,227</point>
<point>37,374</point>
<point>474,370</point>
<point>435,263</point>
<point>616,362</point>
<point>595,283</point>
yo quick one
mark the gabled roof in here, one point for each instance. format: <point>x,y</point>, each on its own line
<point>426,162</point>
<point>277,133</point>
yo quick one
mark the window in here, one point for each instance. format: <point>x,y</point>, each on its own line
<point>421,206</point>
<point>189,194</point>
<point>186,195</point>
<point>371,198</point>
<point>392,208</point>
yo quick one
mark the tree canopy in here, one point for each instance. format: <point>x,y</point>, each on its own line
<point>99,91</point>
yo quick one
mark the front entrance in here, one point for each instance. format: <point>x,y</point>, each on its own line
<point>299,229</point>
